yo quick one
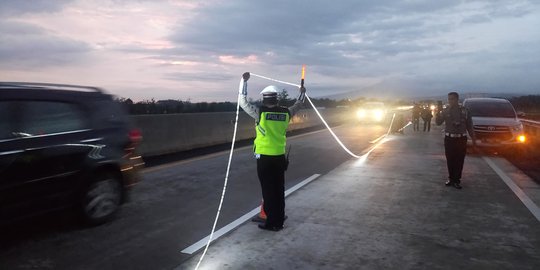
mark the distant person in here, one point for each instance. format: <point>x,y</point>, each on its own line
<point>426,116</point>
<point>458,122</point>
<point>271,127</point>
<point>416,117</point>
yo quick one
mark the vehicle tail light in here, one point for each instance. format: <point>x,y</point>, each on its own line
<point>135,136</point>
<point>522,138</point>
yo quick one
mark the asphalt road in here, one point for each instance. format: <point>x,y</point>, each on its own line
<point>173,207</point>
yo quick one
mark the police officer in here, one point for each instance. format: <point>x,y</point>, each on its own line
<point>269,147</point>
<point>457,123</point>
<point>426,116</point>
<point>416,111</point>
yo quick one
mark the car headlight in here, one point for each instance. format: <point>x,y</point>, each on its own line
<point>378,114</point>
<point>518,127</point>
<point>361,113</point>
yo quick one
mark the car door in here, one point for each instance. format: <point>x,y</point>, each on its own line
<point>43,157</point>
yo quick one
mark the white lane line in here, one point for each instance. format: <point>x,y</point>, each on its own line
<point>217,234</point>
<point>519,193</point>
<point>378,139</point>
<point>301,184</point>
<point>201,243</point>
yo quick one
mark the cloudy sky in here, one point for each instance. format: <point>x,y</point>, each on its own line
<point>198,50</point>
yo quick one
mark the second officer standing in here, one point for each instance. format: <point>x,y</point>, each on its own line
<point>458,122</point>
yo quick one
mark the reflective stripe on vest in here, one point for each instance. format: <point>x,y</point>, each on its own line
<point>271,132</point>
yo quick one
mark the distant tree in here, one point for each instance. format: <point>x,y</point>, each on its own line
<point>529,103</point>
<point>283,97</point>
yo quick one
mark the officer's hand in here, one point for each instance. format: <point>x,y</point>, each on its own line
<point>302,95</point>
<point>243,88</point>
<point>245,76</point>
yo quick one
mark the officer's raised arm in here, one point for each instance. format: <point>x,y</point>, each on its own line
<point>250,109</point>
<point>299,102</point>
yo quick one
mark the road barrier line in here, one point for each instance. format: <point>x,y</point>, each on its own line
<point>201,243</point>
<point>533,208</point>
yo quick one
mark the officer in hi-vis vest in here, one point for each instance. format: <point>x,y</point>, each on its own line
<point>271,127</point>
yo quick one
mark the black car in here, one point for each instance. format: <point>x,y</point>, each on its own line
<point>64,146</point>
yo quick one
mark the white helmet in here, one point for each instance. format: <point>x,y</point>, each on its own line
<point>270,91</point>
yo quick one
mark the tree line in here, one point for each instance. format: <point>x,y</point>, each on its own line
<point>527,104</point>
<point>171,106</point>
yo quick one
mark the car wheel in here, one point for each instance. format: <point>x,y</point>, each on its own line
<point>101,199</point>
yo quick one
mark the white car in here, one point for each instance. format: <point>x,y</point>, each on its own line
<point>495,122</point>
<point>371,112</point>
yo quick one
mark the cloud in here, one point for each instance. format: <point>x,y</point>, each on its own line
<point>25,46</point>
<point>17,7</point>
<point>214,77</point>
<point>401,46</point>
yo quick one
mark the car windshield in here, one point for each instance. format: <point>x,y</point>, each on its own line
<point>373,105</point>
<point>491,109</point>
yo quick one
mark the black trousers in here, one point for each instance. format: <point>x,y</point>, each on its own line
<point>427,123</point>
<point>416,124</point>
<point>271,172</point>
<point>455,150</point>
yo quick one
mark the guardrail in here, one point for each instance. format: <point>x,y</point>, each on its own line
<point>531,128</point>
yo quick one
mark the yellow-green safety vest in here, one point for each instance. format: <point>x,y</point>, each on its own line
<point>271,131</point>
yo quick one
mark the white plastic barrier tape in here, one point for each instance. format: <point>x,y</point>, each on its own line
<point>232,150</point>
<point>226,178</point>
<point>317,112</point>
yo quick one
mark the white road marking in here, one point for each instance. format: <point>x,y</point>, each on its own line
<point>201,243</point>
<point>519,193</point>
<point>378,139</point>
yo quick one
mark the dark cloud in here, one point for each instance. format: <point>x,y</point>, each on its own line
<point>412,46</point>
<point>183,76</point>
<point>27,46</point>
<point>517,9</point>
<point>476,19</point>
<point>18,7</point>
<point>315,32</point>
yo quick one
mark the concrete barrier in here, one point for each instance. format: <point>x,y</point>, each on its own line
<point>169,133</point>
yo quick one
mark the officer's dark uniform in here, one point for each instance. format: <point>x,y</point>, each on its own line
<point>416,117</point>
<point>457,123</point>
<point>426,116</point>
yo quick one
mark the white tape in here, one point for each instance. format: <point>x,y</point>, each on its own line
<point>226,177</point>
<point>232,149</point>
<point>318,114</point>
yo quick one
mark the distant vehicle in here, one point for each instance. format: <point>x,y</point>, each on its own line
<point>64,146</point>
<point>374,112</point>
<point>495,122</point>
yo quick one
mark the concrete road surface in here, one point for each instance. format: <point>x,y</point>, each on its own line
<point>172,208</point>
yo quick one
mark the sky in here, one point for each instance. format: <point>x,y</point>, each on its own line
<point>198,50</point>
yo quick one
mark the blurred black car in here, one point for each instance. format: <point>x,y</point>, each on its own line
<point>64,146</point>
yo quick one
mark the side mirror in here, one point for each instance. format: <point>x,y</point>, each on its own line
<point>520,114</point>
